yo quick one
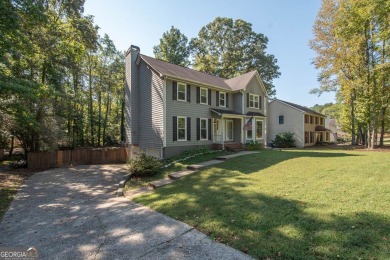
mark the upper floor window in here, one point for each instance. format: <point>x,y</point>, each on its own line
<point>254,101</point>
<point>203,96</point>
<point>281,120</point>
<point>181,92</point>
<point>222,99</point>
<point>307,119</point>
<point>317,120</point>
<point>311,119</point>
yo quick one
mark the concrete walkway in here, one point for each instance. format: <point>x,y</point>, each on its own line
<point>73,213</point>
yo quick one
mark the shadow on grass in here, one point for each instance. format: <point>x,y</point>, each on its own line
<point>270,226</point>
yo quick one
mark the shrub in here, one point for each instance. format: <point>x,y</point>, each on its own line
<point>18,164</point>
<point>284,140</point>
<point>253,146</point>
<point>144,165</point>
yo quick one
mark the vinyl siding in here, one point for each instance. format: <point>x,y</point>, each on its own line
<point>151,108</point>
<point>131,98</point>
<point>237,100</point>
<point>254,87</point>
<point>189,109</point>
<point>293,122</point>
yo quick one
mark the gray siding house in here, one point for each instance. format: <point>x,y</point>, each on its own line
<point>170,108</point>
<point>307,125</point>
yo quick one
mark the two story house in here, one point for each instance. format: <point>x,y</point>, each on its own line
<point>307,125</point>
<point>170,108</point>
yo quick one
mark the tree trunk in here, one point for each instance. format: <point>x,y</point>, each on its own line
<point>353,118</point>
<point>11,150</point>
<point>91,104</point>
<point>99,116</point>
<point>106,118</point>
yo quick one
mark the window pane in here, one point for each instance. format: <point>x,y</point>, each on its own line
<point>203,134</point>
<point>203,92</point>
<point>203,123</point>
<point>256,104</point>
<point>256,98</point>
<point>259,129</point>
<point>181,88</point>
<point>203,99</point>
<point>181,134</point>
<point>249,134</point>
<point>182,96</point>
<point>181,123</point>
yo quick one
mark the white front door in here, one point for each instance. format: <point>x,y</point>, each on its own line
<point>229,130</point>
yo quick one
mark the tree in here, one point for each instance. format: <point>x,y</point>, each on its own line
<point>173,48</point>
<point>229,48</point>
<point>351,42</point>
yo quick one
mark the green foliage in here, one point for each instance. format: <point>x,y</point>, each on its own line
<point>229,48</point>
<point>352,46</point>
<point>173,48</point>
<point>254,146</point>
<point>284,140</point>
<point>144,165</point>
<point>60,82</point>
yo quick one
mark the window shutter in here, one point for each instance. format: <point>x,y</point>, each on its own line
<point>260,102</point>
<point>174,91</point>
<point>209,97</point>
<point>198,95</point>
<point>188,128</point>
<point>209,125</point>
<point>198,129</point>
<point>217,98</point>
<point>174,128</point>
<point>188,93</point>
<point>227,99</point>
<point>247,99</point>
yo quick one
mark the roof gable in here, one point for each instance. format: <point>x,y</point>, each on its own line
<point>299,107</point>
<point>175,71</point>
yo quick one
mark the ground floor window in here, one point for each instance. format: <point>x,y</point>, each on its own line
<point>259,129</point>
<point>181,129</point>
<point>203,129</point>
<point>311,137</point>
<point>327,139</point>
<point>306,137</point>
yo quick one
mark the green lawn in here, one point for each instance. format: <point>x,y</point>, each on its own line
<point>301,204</point>
<point>135,182</point>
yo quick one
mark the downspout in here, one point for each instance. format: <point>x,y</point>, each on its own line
<point>164,116</point>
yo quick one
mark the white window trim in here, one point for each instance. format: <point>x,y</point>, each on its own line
<point>185,92</point>
<point>262,130</point>
<point>253,100</point>
<point>207,129</point>
<point>185,128</point>
<point>207,96</point>
<point>224,99</point>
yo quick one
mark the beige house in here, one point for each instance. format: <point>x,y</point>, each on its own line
<point>307,125</point>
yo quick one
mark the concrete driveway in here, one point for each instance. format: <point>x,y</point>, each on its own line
<point>73,213</point>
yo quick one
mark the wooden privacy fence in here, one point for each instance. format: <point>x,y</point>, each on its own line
<point>42,160</point>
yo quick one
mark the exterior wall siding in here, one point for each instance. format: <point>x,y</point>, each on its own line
<point>189,109</point>
<point>150,108</point>
<point>131,98</point>
<point>293,122</point>
<point>237,102</point>
<point>254,88</point>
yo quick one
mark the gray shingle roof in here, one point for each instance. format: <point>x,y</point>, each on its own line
<point>302,108</point>
<point>176,71</point>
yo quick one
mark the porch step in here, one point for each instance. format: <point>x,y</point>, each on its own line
<point>179,174</point>
<point>202,165</point>
<point>160,183</point>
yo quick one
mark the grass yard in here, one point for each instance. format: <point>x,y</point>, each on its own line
<point>137,182</point>
<point>291,204</point>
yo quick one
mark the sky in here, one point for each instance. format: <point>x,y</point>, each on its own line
<point>287,24</point>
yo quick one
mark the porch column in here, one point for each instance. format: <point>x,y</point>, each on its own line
<point>242,130</point>
<point>223,133</point>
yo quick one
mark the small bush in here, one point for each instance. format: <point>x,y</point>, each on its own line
<point>253,146</point>
<point>18,164</point>
<point>284,140</point>
<point>144,165</point>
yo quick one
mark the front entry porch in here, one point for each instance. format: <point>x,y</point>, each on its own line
<point>233,131</point>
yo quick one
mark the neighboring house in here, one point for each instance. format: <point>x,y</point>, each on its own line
<point>332,125</point>
<point>170,109</point>
<point>307,125</point>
